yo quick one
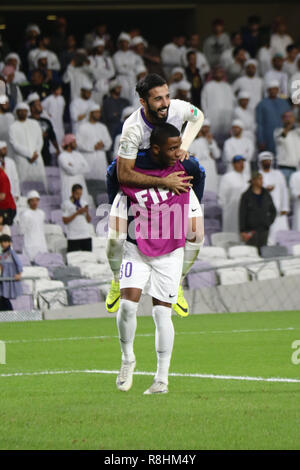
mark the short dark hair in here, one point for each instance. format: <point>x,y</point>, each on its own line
<point>75,187</point>
<point>236,50</point>
<point>5,238</point>
<point>162,133</point>
<point>290,47</point>
<point>146,84</point>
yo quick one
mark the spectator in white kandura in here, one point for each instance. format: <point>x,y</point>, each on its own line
<point>125,63</point>
<point>6,120</point>
<point>274,182</point>
<point>79,106</point>
<point>125,114</point>
<point>216,44</point>
<point>237,144</point>
<point>104,69</point>
<point>287,141</point>
<point>264,55</point>
<point>78,71</point>
<point>279,39</point>
<point>246,115</point>
<point>218,103</point>
<point>295,78</point>
<point>76,217</point>
<point>171,54</point>
<point>236,69</point>
<point>206,150</point>
<point>13,91</point>
<point>177,75</point>
<point>141,73</point>
<point>277,73</point>
<point>137,45</point>
<point>26,138</point>
<point>250,82</point>
<point>232,185</point>
<point>43,47</point>
<point>54,106</point>
<point>289,65</point>
<point>201,61</point>
<point>32,222</point>
<point>13,59</point>
<point>226,58</point>
<point>9,166</point>
<point>295,195</point>
<point>183,91</point>
<point>72,167</point>
<point>93,141</point>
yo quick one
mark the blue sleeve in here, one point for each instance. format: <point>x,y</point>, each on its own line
<point>112,183</point>
<point>193,168</point>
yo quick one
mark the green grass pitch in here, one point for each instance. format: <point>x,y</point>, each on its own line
<point>80,410</point>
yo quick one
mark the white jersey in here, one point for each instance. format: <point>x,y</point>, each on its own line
<point>137,130</point>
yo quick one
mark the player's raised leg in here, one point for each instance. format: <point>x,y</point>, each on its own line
<point>194,241</point>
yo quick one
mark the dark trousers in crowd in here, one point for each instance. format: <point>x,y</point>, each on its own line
<point>259,239</point>
<point>84,244</point>
<point>5,304</point>
<point>8,216</point>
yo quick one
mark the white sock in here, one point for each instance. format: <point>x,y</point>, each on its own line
<point>164,340</point>
<point>126,323</point>
<point>191,251</point>
<point>114,253</point>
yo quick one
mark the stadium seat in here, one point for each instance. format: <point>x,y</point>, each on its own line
<point>264,271</point>
<point>198,278</point>
<point>24,259</point>
<point>274,251</point>
<point>295,250</point>
<point>243,251</point>
<point>56,218</point>
<point>78,258</point>
<point>53,200</point>
<point>99,248</point>
<point>49,260</point>
<point>18,243</point>
<point>225,239</point>
<point>95,271</point>
<point>212,211</point>
<point>289,267</point>
<point>209,197</point>
<point>23,303</point>
<point>83,293</point>
<point>65,273</point>
<point>212,225</point>
<point>36,272</point>
<point>53,300</point>
<point>27,186</point>
<point>102,198</point>
<point>237,275</point>
<point>287,237</point>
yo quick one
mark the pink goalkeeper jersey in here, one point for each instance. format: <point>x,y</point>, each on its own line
<point>160,216</point>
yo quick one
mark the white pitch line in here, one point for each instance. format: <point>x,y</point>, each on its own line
<point>172,374</point>
<point>79,338</point>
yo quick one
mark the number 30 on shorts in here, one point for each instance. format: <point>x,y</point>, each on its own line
<point>126,269</point>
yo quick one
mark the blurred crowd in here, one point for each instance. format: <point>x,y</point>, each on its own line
<point>65,101</point>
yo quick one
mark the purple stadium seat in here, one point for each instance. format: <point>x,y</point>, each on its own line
<point>47,211</point>
<point>52,171</point>
<point>287,237</point>
<point>209,197</point>
<point>24,302</point>
<point>18,243</point>
<point>49,259</point>
<point>212,225</point>
<point>83,295</point>
<point>53,200</point>
<point>212,211</point>
<point>27,186</point>
<point>24,259</point>
<point>197,280</point>
<point>102,198</point>
<point>56,218</point>
<point>54,185</point>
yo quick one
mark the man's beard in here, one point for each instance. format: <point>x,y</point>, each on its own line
<point>154,114</point>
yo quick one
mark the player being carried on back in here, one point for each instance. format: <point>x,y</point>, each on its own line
<point>156,109</point>
<point>158,224</point>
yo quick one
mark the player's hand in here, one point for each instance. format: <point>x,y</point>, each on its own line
<point>178,182</point>
<point>182,155</point>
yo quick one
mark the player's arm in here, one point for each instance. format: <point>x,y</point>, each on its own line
<point>194,117</point>
<point>127,175</point>
<point>194,169</point>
